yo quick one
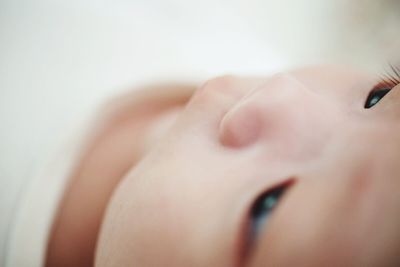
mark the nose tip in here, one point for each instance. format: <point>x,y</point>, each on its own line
<point>241,126</point>
<point>264,112</point>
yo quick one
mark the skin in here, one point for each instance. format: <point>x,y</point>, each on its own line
<point>125,130</point>
<point>186,203</point>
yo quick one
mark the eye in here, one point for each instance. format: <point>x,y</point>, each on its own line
<point>262,209</point>
<point>388,81</point>
<point>259,214</point>
<point>375,96</point>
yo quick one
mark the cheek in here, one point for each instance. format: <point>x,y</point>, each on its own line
<point>143,228</point>
<point>170,214</point>
<point>312,227</point>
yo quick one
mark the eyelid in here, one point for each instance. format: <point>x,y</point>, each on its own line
<point>385,84</point>
<point>389,79</point>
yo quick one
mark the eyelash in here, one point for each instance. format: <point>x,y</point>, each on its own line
<point>388,81</point>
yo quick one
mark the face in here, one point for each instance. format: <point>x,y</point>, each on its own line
<point>288,170</point>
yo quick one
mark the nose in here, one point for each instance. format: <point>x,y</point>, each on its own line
<point>280,111</point>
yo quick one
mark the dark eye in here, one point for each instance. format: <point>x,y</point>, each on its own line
<point>259,214</point>
<point>375,96</point>
<point>262,209</point>
<point>388,81</point>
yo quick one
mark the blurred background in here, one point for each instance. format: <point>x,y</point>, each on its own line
<point>60,59</point>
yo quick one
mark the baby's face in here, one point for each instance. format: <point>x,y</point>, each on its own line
<point>302,143</point>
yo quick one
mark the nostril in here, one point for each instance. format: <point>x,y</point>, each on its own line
<point>241,126</point>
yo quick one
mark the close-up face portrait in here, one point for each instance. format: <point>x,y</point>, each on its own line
<point>295,169</point>
<point>169,133</point>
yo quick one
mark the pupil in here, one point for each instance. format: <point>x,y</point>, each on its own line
<point>375,96</point>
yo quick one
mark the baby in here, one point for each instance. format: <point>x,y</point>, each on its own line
<point>295,169</point>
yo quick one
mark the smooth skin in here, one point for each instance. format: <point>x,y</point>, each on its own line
<point>186,203</point>
<point>122,134</point>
